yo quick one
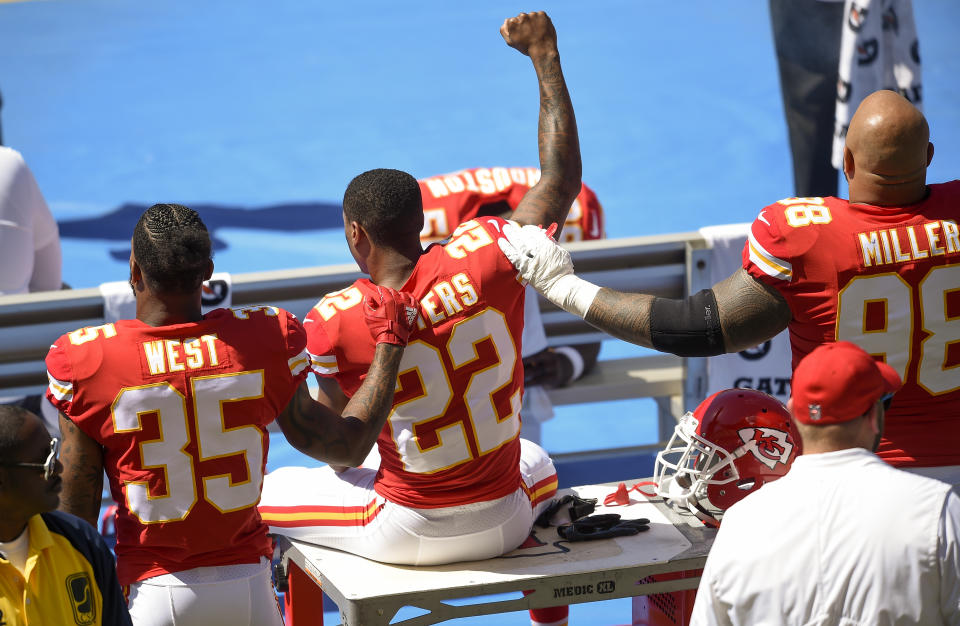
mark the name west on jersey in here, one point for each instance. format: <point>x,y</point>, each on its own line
<point>909,243</point>
<point>164,356</point>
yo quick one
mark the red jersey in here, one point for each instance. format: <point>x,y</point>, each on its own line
<point>181,412</point>
<point>451,199</point>
<point>887,279</point>
<point>453,434</point>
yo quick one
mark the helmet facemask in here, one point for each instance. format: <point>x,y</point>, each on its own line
<point>688,465</point>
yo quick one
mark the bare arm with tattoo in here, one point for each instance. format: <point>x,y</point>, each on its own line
<point>550,199</point>
<point>322,432</point>
<point>82,459</point>
<point>331,395</point>
<point>750,313</point>
<point>325,435</point>
<point>737,313</point>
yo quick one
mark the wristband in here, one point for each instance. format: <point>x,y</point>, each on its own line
<point>572,294</point>
<point>576,359</point>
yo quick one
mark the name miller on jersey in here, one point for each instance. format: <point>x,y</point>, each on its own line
<point>886,246</point>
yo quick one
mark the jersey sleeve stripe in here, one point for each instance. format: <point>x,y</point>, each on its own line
<point>299,362</point>
<point>61,390</point>
<point>768,264</point>
<point>325,364</point>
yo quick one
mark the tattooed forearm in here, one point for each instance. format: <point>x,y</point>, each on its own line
<point>319,432</point>
<point>305,425</point>
<point>371,403</point>
<point>624,315</point>
<point>550,199</point>
<point>82,459</point>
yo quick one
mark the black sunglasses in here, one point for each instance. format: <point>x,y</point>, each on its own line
<point>47,466</point>
<point>886,399</point>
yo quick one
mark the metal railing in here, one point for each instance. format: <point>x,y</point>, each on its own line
<point>671,265</point>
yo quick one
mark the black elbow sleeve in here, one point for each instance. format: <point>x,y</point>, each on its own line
<point>688,327</point>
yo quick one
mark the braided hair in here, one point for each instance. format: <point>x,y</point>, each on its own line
<point>172,247</point>
<point>386,203</point>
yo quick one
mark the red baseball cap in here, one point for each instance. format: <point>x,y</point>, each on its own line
<point>838,382</point>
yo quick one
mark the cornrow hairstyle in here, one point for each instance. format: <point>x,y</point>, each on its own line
<point>387,204</point>
<point>172,247</point>
<point>12,418</point>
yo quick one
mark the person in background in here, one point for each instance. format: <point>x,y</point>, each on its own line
<point>880,270</point>
<point>831,54</point>
<point>54,567</point>
<point>457,197</point>
<point>806,37</point>
<point>30,257</point>
<point>174,406</point>
<point>842,537</point>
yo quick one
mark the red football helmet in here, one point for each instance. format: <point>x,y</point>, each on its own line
<point>731,444</point>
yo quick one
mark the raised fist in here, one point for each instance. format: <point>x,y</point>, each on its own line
<point>391,315</point>
<point>530,33</point>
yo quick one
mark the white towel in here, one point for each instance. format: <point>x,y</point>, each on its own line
<point>878,50</point>
<point>767,367</point>
<point>119,303</point>
<point>536,402</point>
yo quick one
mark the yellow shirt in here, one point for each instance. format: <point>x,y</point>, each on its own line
<point>69,579</point>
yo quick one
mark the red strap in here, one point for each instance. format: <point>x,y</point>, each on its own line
<point>621,496</point>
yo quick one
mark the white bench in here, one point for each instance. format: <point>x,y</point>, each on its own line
<point>557,572</point>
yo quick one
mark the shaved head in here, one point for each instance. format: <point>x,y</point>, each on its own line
<point>887,151</point>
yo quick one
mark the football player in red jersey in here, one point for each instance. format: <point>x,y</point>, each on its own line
<point>880,270</point>
<point>455,483</point>
<point>451,199</point>
<point>457,197</point>
<point>174,406</point>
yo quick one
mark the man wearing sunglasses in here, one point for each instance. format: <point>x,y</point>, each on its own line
<point>54,567</point>
<point>866,541</point>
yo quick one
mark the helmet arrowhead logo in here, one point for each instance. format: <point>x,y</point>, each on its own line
<point>769,445</point>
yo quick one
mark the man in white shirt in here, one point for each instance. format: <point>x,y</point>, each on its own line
<point>30,258</point>
<point>29,238</point>
<point>843,537</point>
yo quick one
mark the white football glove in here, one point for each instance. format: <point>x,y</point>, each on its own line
<point>547,267</point>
